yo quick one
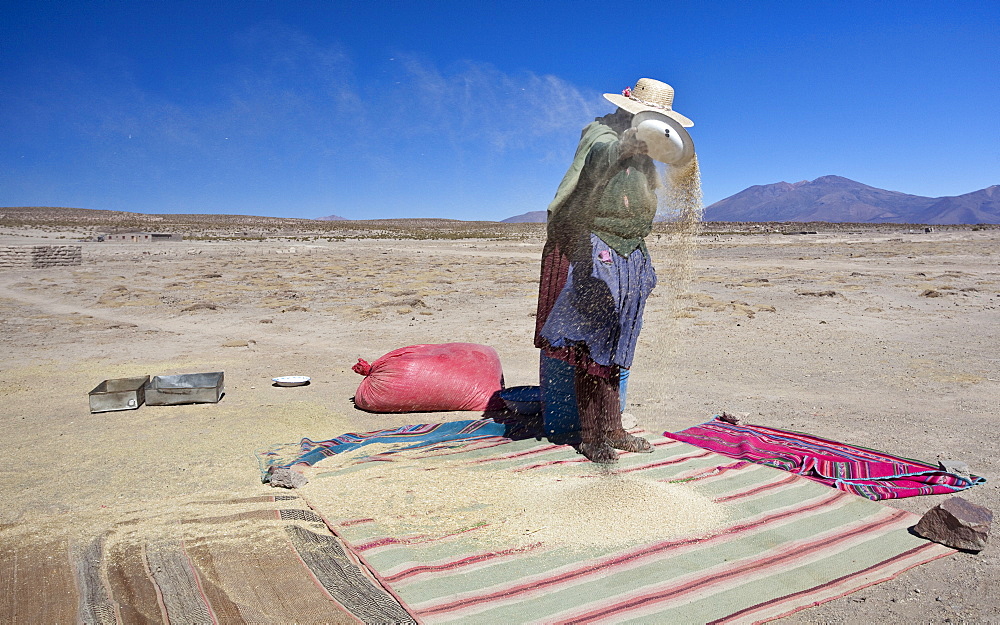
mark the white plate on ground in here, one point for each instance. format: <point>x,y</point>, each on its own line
<point>291,380</point>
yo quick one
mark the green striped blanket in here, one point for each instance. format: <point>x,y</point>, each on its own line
<point>788,543</point>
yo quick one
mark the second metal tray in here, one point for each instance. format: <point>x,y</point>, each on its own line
<point>186,388</point>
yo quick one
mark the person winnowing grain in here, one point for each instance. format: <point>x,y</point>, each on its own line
<point>596,273</point>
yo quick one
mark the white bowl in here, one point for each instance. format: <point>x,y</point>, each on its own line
<point>667,140</point>
<point>291,380</point>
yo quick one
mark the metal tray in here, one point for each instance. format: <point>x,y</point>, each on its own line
<point>118,394</point>
<point>187,388</point>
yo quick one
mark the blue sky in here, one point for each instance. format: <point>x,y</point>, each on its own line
<point>472,110</point>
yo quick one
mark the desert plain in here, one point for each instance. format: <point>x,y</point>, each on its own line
<point>880,337</point>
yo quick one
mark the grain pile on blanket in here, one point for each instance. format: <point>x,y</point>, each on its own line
<point>582,508</point>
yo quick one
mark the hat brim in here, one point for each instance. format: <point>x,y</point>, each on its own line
<point>634,107</point>
<point>665,117</point>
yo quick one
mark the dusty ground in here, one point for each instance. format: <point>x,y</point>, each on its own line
<point>883,340</point>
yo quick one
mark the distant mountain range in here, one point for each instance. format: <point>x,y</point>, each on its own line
<point>835,199</point>
<point>532,217</point>
<point>838,199</point>
<point>331,218</point>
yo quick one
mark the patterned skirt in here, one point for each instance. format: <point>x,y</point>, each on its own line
<point>592,318</point>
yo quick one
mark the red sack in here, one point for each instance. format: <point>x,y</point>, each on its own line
<point>426,378</point>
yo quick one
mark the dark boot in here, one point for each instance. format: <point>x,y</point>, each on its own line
<point>610,423</point>
<point>627,442</point>
<point>594,395</point>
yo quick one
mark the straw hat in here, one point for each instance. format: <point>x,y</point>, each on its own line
<point>649,95</point>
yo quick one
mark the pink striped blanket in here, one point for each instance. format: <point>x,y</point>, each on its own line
<point>857,470</point>
<point>787,544</point>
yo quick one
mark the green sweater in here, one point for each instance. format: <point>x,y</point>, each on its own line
<point>623,214</point>
<point>605,195</point>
